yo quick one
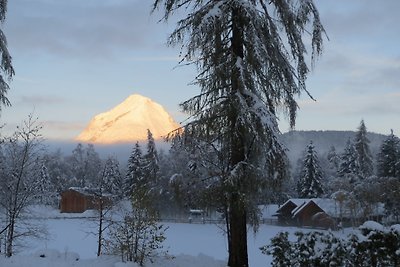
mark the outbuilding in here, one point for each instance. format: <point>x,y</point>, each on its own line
<point>78,200</point>
<point>315,212</point>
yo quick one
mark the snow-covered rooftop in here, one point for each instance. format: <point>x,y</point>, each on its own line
<point>330,207</point>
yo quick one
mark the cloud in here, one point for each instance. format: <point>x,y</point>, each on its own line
<point>357,19</point>
<point>62,126</point>
<point>80,28</point>
<point>344,71</point>
<point>156,59</point>
<point>372,104</point>
<point>61,130</point>
<point>40,99</point>
<point>362,53</point>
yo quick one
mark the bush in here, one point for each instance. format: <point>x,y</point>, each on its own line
<point>374,246</point>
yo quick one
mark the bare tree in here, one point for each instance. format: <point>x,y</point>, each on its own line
<point>138,236</point>
<point>106,199</point>
<point>19,179</point>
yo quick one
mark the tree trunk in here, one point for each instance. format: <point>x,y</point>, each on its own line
<point>238,234</point>
<point>10,238</point>
<point>100,231</point>
<point>237,209</point>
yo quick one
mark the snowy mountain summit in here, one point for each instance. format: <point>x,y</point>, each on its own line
<point>129,122</point>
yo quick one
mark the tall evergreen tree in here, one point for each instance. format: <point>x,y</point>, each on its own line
<point>134,174</point>
<point>151,166</point>
<point>333,160</point>
<point>85,164</point>
<point>92,165</point>
<point>361,144</point>
<point>389,157</point>
<point>78,166</point>
<point>112,178</point>
<point>140,235</point>
<point>6,68</point>
<point>45,188</point>
<point>151,171</point>
<point>59,170</point>
<point>182,169</point>
<point>349,167</point>
<point>310,178</point>
<point>246,70</point>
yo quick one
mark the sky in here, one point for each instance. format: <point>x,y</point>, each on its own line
<point>74,59</point>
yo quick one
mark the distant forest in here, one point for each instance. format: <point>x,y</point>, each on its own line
<point>297,141</point>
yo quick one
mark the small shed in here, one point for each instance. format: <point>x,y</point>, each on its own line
<point>78,200</point>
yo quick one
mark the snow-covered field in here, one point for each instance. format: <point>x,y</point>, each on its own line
<point>194,245</point>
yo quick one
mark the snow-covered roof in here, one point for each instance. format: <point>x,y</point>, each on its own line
<point>296,201</point>
<point>196,211</point>
<point>326,204</point>
<point>89,191</point>
<point>329,206</point>
<point>299,208</point>
<point>82,190</point>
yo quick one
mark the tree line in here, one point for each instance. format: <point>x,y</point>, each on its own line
<point>353,177</point>
<point>30,175</point>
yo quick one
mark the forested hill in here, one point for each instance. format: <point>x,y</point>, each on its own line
<point>296,141</point>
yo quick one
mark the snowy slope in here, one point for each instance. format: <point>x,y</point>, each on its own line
<point>129,122</point>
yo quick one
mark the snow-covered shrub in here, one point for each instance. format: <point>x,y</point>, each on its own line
<point>318,249</point>
<point>332,251</point>
<point>280,249</point>
<point>374,245</point>
<point>304,249</point>
<point>138,238</point>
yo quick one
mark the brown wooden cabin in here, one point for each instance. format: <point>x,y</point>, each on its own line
<point>305,212</point>
<point>284,213</point>
<point>78,200</point>
<point>312,215</point>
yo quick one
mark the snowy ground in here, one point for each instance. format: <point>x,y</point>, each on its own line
<point>195,245</point>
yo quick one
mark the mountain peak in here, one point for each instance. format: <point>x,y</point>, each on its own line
<point>136,98</point>
<point>128,122</point>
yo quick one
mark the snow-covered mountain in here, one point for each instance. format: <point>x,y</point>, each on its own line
<point>128,122</point>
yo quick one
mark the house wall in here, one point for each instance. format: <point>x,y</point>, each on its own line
<point>73,202</point>
<point>76,202</point>
<point>285,213</point>
<point>304,217</point>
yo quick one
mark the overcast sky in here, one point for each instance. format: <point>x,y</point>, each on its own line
<point>75,59</point>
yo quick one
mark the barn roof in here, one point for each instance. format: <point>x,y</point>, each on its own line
<point>306,204</point>
<point>296,201</point>
<point>329,206</point>
<point>326,204</point>
<point>88,191</point>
